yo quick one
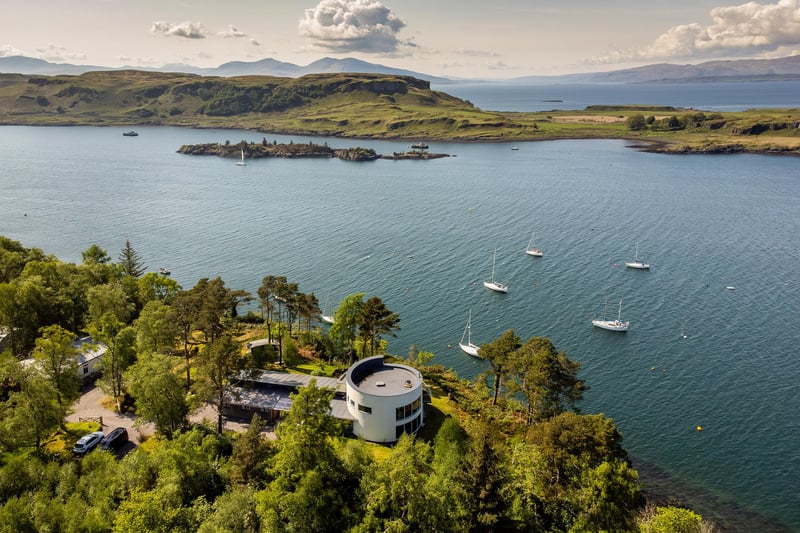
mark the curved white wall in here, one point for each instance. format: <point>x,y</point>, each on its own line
<point>375,392</point>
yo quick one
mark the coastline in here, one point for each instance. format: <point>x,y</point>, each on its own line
<point>660,488</point>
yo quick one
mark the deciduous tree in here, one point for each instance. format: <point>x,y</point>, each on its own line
<point>546,377</point>
<point>157,392</point>
<point>376,320</point>
<point>218,364</point>
<point>345,323</point>
<point>498,353</point>
<point>58,360</point>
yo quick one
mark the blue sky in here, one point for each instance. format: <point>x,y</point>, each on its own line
<point>456,38</point>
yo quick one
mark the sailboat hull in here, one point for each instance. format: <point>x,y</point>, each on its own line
<point>469,349</point>
<point>327,319</point>
<point>640,265</point>
<point>495,286</point>
<point>611,325</point>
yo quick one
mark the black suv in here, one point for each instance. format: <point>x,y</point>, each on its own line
<point>115,439</point>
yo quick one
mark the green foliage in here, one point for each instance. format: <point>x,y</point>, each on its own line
<point>217,366</point>
<point>547,378</point>
<point>155,328</point>
<point>157,392</point>
<point>636,122</point>
<point>251,452</point>
<point>394,491</point>
<point>291,356</point>
<point>670,520</point>
<point>31,411</point>
<point>58,360</point>
<point>498,352</point>
<point>233,512</point>
<point>376,319</point>
<point>345,323</point>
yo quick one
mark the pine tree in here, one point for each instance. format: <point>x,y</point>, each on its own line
<point>132,264</point>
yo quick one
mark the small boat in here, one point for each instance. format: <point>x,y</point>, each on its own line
<point>241,163</point>
<point>164,271</point>
<point>637,263</point>
<point>468,347</point>
<point>612,325</point>
<point>492,284</point>
<point>420,146</point>
<point>515,147</point>
<point>130,133</point>
<point>531,249</point>
<point>326,316</point>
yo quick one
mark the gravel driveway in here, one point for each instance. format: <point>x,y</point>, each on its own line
<point>89,406</point>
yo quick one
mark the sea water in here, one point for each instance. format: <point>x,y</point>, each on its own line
<point>714,322</point>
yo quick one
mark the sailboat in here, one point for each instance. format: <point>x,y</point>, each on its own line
<point>612,325</point>
<point>637,263</point>
<point>532,250</point>
<point>327,317</point>
<point>241,162</point>
<point>468,347</point>
<point>495,285</point>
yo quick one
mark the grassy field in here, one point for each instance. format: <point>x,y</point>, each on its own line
<point>363,106</point>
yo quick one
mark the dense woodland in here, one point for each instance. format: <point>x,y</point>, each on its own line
<point>505,452</point>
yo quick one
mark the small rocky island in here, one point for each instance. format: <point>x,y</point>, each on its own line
<point>296,150</point>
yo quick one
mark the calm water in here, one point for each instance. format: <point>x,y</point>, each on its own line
<point>421,235</point>
<point>706,96</point>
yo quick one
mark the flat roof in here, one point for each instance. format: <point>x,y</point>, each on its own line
<point>374,376</point>
<point>277,400</point>
<point>389,381</point>
<point>285,379</point>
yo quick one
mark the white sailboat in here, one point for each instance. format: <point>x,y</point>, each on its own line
<point>468,347</point>
<point>637,263</point>
<point>531,249</point>
<point>241,162</point>
<point>326,316</point>
<point>495,285</point>
<point>612,325</point>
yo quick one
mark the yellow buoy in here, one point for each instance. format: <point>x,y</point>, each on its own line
<point>699,428</point>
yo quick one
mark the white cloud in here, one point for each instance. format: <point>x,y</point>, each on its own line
<point>189,30</point>
<point>54,52</point>
<point>7,50</point>
<point>230,31</point>
<point>750,28</point>
<point>352,25</point>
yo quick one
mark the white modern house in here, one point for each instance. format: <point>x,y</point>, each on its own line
<point>384,399</point>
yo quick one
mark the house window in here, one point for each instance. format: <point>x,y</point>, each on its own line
<point>365,409</point>
<point>85,369</point>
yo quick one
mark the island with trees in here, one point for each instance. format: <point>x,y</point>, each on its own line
<point>506,451</point>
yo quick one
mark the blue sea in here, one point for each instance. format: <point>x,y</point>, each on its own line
<point>714,323</point>
<point>505,96</point>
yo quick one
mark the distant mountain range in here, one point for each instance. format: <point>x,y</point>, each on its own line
<point>711,71</point>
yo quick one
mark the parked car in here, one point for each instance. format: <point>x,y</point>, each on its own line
<point>87,443</point>
<point>115,439</point>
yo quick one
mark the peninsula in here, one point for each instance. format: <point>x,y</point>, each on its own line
<point>371,106</point>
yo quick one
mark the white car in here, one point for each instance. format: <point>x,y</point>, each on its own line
<point>87,443</point>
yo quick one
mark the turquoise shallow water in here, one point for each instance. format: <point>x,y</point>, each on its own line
<point>421,236</point>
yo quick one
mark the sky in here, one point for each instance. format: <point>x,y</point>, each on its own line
<point>497,39</point>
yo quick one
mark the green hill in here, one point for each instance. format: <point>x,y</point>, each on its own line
<point>369,106</point>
